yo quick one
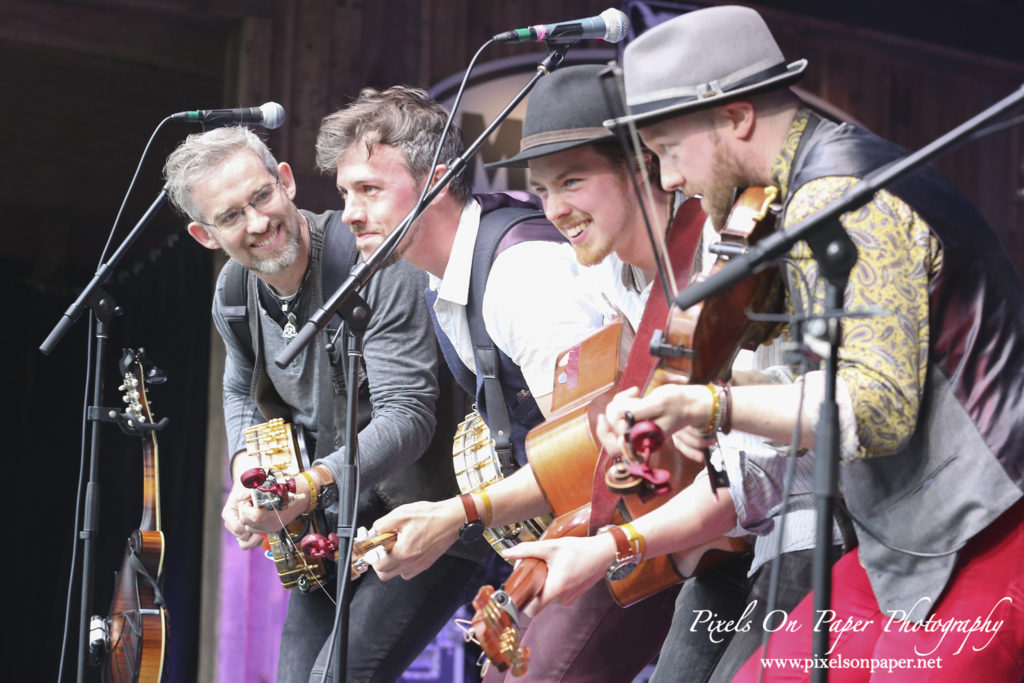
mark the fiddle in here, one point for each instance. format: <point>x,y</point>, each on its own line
<point>699,345</point>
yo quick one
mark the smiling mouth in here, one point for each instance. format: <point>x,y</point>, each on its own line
<point>574,231</point>
<point>268,240</point>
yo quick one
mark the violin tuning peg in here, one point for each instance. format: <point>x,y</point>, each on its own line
<point>253,478</point>
<point>646,437</point>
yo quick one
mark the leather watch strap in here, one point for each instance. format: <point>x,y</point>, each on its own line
<point>470,507</point>
<point>623,548</point>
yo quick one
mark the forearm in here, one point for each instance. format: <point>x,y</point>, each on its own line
<point>516,498</point>
<point>689,519</point>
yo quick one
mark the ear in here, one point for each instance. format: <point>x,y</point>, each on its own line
<point>439,171</point>
<point>202,235</point>
<point>739,118</point>
<point>284,172</point>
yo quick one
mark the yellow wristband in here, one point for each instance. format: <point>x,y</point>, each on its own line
<point>636,540</point>
<point>488,510</point>
<point>312,491</point>
<point>712,425</point>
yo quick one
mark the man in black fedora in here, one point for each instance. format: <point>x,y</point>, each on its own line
<point>930,389</point>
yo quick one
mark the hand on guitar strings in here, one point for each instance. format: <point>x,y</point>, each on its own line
<point>425,531</point>
<point>574,564</point>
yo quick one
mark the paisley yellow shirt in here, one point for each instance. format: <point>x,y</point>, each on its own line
<point>883,358</point>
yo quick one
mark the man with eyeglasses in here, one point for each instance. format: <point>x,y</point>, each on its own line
<point>238,198</point>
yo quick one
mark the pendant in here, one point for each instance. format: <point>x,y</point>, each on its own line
<point>289,330</point>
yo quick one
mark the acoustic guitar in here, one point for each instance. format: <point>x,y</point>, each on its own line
<point>580,496</point>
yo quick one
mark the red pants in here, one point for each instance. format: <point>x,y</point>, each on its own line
<point>987,584</point>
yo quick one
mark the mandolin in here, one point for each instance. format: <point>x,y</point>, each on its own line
<point>134,636</point>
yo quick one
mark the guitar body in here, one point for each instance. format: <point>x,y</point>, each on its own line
<point>563,450</point>
<point>137,627</point>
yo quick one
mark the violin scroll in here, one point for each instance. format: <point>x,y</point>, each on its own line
<point>632,473</point>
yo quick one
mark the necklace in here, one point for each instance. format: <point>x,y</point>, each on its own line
<point>288,304</point>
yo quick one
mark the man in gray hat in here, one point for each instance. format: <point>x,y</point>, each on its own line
<point>581,174</point>
<point>929,419</point>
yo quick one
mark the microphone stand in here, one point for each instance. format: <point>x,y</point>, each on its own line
<point>103,308</point>
<point>339,303</point>
<point>836,255</point>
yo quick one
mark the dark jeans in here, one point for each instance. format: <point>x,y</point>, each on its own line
<point>390,623</point>
<point>689,653</point>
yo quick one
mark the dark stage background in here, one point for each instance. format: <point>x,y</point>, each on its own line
<point>84,85</point>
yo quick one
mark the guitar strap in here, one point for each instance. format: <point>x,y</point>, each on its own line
<point>140,569</point>
<point>499,229</point>
<point>336,254</point>
<point>683,241</point>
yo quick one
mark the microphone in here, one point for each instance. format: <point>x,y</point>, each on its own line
<point>268,115</point>
<point>611,25</point>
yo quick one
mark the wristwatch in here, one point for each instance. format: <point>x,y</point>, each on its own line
<point>328,494</point>
<point>626,557</point>
<point>473,527</point>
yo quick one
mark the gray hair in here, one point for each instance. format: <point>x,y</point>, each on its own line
<point>200,152</point>
<point>402,117</point>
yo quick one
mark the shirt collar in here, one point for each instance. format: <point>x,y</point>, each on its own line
<point>782,168</point>
<point>455,285</point>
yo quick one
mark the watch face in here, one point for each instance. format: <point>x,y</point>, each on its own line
<point>471,531</point>
<point>617,572</point>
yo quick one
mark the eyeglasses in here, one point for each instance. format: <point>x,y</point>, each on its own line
<point>235,217</point>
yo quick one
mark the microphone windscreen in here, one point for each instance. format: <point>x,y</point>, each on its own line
<point>617,24</point>
<point>273,115</point>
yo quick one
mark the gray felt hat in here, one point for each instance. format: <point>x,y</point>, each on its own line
<point>702,59</point>
<point>566,109</point>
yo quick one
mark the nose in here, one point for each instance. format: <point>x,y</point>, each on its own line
<point>671,178</point>
<point>555,207</point>
<point>255,220</point>
<point>353,212</point>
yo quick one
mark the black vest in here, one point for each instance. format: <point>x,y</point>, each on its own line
<point>964,464</point>
<point>504,221</point>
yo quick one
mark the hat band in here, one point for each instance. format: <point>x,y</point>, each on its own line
<point>711,89</point>
<point>565,135</point>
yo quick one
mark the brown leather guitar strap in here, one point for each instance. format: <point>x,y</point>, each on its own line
<point>683,240</point>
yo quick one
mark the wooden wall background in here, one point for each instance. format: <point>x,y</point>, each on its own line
<point>84,84</point>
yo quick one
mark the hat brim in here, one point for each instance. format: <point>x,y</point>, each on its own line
<point>653,112</point>
<point>522,159</point>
